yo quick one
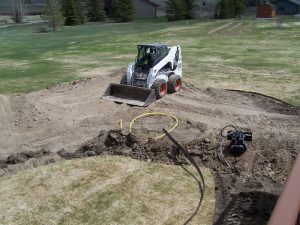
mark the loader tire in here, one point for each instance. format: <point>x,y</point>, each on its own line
<point>160,87</point>
<point>124,79</point>
<point>174,83</point>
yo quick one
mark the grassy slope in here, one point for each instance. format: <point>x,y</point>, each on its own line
<point>104,190</point>
<point>250,54</point>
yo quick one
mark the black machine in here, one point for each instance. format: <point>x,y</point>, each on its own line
<point>237,139</point>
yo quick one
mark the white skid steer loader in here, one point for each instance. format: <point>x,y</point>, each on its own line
<point>156,71</point>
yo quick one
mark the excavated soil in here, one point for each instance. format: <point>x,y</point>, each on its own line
<point>71,120</point>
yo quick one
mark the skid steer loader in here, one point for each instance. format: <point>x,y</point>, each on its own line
<point>156,71</point>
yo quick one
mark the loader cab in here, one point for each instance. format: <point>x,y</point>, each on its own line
<point>149,55</point>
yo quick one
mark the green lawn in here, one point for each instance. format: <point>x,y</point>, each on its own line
<point>253,55</point>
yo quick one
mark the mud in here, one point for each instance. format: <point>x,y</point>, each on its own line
<point>117,142</point>
<point>71,121</point>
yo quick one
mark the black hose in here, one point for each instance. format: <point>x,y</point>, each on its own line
<point>225,128</point>
<point>190,158</point>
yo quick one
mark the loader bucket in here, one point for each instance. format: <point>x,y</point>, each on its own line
<point>129,94</point>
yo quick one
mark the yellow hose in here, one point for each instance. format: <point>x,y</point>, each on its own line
<point>154,114</point>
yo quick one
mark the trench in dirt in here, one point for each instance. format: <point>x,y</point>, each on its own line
<point>246,191</point>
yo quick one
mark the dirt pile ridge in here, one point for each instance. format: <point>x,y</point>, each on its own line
<point>70,120</point>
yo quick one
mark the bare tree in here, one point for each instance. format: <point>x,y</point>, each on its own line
<point>17,10</point>
<point>53,14</point>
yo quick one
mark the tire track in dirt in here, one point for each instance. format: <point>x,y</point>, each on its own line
<point>219,28</point>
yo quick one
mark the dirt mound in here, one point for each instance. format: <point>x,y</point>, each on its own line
<point>70,120</point>
<point>117,142</point>
<point>270,104</point>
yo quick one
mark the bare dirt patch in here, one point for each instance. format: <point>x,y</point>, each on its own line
<point>70,120</point>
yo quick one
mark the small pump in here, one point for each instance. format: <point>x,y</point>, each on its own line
<point>237,145</point>
<point>237,139</point>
